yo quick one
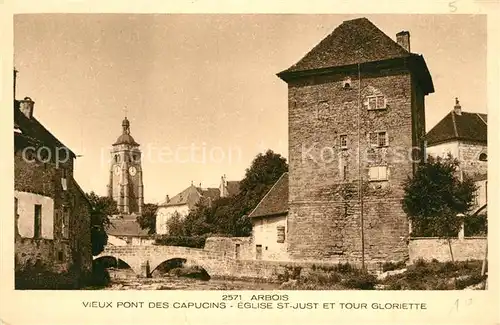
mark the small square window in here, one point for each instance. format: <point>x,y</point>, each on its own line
<point>378,139</point>
<point>377,102</point>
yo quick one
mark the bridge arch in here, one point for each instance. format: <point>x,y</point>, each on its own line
<point>181,262</point>
<point>110,261</point>
<point>134,264</point>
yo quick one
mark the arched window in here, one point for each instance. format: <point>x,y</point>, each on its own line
<point>117,158</point>
<point>483,157</point>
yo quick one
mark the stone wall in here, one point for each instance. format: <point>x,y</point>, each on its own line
<point>227,245</point>
<point>324,219</point>
<point>468,248</point>
<point>42,255</point>
<point>469,158</point>
<point>54,252</point>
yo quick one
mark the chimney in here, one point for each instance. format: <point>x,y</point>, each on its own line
<point>457,109</point>
<point>167,198</point>
<point>403,39</point>
<point>26,106</point>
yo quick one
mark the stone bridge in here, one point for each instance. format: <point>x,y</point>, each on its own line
<point>145,259</point>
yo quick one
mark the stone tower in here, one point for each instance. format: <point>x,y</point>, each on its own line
<point>125,175</point>
<point>356,116</point>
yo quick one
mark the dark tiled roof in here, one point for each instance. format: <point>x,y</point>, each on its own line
<point>32,130</point>
<point>354,41</point>
<point>275,202</point>
<point>126,226</point>
<point>466,126</point>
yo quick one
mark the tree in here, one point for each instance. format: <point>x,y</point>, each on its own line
<point>147,220</point>
<point>435,198</point>
<point>228,216</point>
<point>102,207</point>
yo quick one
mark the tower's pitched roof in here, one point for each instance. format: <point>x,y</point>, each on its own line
<point>454,127</point>
<point>275,202</point>
<point>354,41</point>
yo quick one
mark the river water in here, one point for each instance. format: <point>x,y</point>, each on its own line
<point>127,280</point>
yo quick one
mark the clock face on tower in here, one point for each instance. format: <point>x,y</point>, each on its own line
<point>132,171</point>
<point>116,170</point>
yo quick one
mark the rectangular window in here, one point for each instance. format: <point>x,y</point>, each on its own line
<point>64,181</point>
<point>377,102</point>
<point>281,234</point>
<point>378,139</point>
<point>377,173</point>
<point>65,222</point>
<point>344,173</point>
<point>37,230</point>
<point>237,251</point>
<point>343,141</point>
<point>258,252</point>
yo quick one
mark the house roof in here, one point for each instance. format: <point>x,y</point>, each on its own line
<point>453,127</point>
<point>275,202</point>
<point>191,196</point>
<point>126,226</point>
<point>354,41</point>
<point>32,130</point>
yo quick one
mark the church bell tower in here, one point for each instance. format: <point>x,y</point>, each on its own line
<point>125,175</point>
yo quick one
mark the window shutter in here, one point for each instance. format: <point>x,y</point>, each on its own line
<point>281,234</point>
<point>382,174</point>
<point>373,173</point>
<point>386,138</point>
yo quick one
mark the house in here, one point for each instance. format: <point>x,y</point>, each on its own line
<point>464,136</point>
<point>355,102</point>
<point>269,223</point>
<point>52,213</point>
<point>187,200</point>
<point>125,230</point>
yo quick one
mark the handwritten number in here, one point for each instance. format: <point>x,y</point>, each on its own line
<point>452,6</point>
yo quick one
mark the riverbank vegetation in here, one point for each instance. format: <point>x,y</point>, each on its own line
<point>421,275</point>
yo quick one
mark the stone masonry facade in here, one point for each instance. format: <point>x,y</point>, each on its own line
<point>62,253</point>
<point>324,219</point>
<point>63,250</point>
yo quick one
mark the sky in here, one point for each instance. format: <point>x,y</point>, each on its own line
<point>201,91</point>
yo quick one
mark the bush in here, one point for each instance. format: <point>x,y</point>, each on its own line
<point>185,241</point>
<point>469,281</point>
<point>390,266</point>
<point>363,281</point>
<point>435,275</point>
<point>476,225</point>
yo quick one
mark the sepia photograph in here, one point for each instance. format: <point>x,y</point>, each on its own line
<point>250,151</point>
